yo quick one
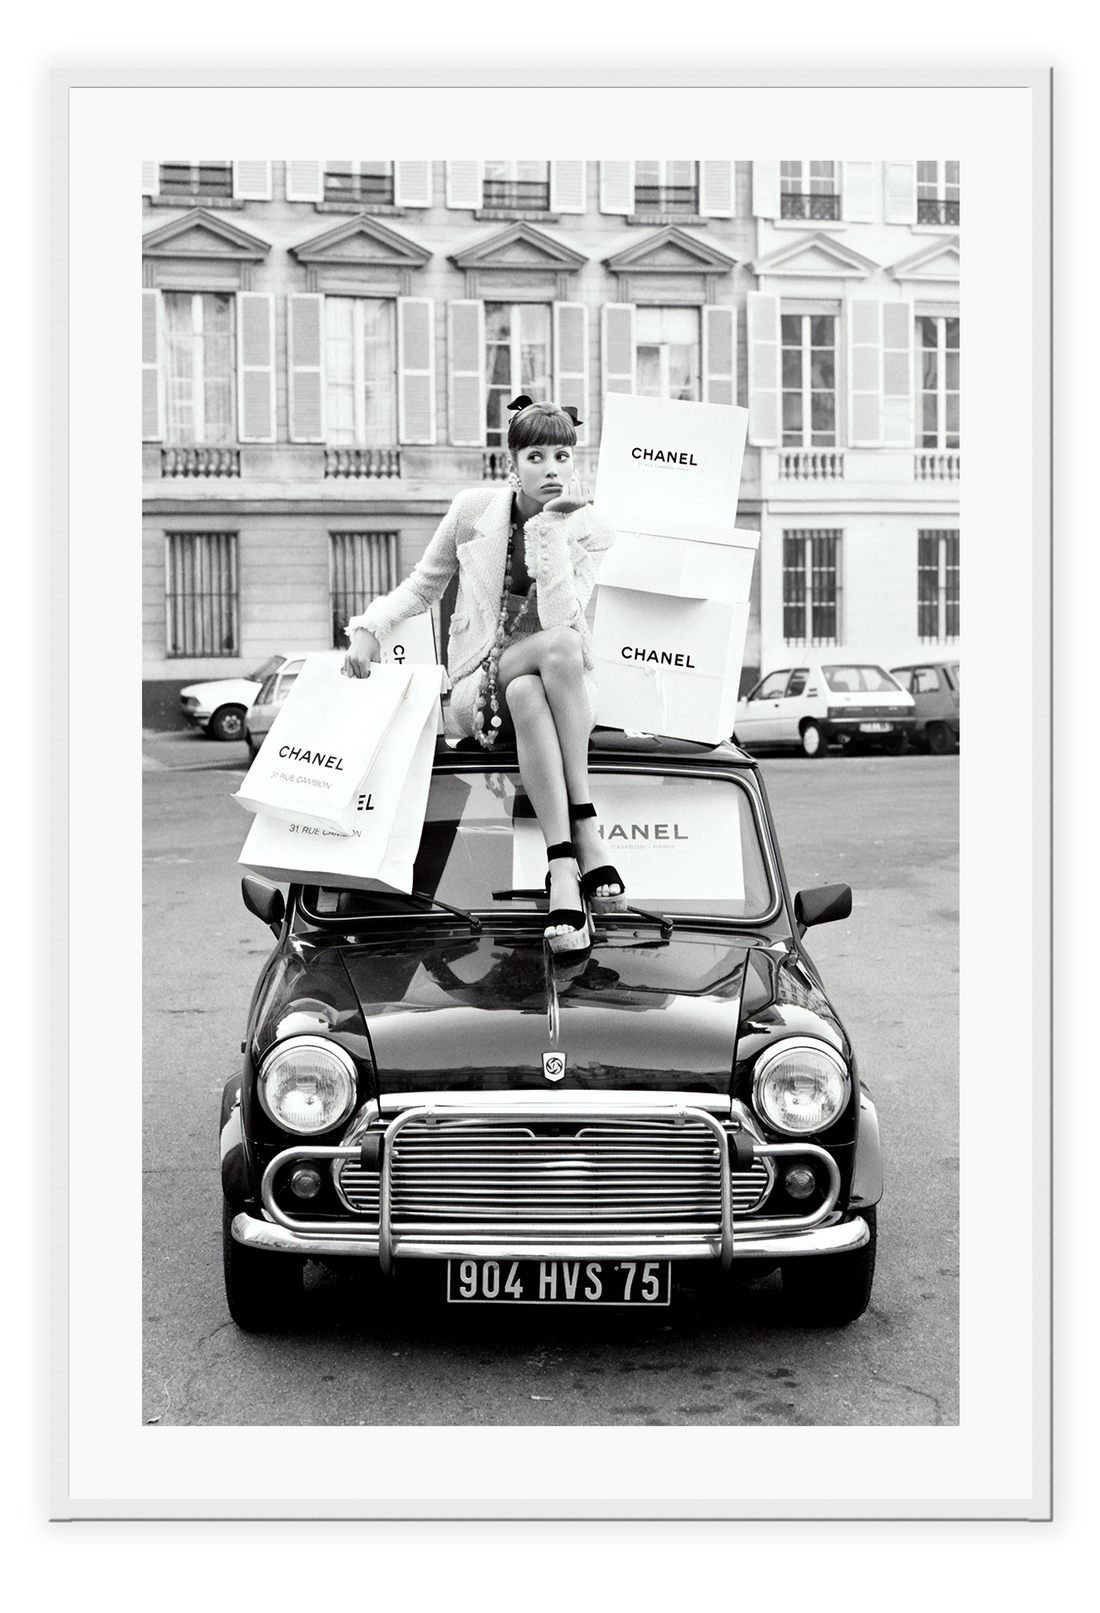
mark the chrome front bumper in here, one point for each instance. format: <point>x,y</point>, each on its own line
<point>758,1237</point>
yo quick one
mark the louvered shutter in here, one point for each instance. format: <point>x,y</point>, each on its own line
<point>252,181</point>
<point>256,366</point>
<point>901,192</point>
<point>897,374</point>
<point>466,372</point>
<point>305,181</point>
<point>864,372</point>
<point>719,355</point>
<point>765,349</point>
<point>305,366</point>
<point>619,357</point>
<point>150,178</point>
<point>765,189</point>
<point>616,187</point>
<point>856,192</point>
<point>567,187</point>
<point>416,369</point>
<point>412,184</point>
<point>716,189</point>
<point>571,359</point>
<point>152,369</point>
<point>464,184</point>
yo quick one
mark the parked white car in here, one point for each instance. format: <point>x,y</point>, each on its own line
<point>818,702</point>
<point>218,707</point>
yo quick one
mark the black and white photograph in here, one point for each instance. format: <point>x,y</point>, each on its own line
<point>561,1002</point>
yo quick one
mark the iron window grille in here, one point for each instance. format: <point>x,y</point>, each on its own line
<point>811,586</point>
<point>362,566</point>
<point>202,594</point>
<point>938,586</point>
<point>937,192</point>
<point>362,182</point>
<point>196,179</point>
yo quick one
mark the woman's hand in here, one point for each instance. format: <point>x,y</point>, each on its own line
<point>575,497</point>
<point>364,649</point>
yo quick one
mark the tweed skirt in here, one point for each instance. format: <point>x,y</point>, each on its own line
<point>464,691</point>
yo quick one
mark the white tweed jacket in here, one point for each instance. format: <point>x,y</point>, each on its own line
<point>562,552</point>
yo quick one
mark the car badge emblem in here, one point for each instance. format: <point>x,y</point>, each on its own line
<point>553,1066</point>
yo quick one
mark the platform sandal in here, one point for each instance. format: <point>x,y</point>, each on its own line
<point>578,937</point>
<point>606,875</point>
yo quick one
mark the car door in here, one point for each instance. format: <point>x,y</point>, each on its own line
<point>758,721</point>
<point>275,690</point>
<point>791,708</point>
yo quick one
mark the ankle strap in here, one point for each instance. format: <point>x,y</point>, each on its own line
<point>564,848</point>
<point>585,810</point>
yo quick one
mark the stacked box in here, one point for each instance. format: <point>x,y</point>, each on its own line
<point>672,597</point>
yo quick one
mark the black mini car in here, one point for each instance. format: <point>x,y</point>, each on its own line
<point>424,1081</point>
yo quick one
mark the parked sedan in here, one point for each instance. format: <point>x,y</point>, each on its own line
<point>934,686</point>
<point>218,708</point>
<point>821,702</point>
<point>425,1085</point>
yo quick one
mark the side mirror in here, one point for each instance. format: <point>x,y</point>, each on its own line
<point>823,904</point>
<point>264,899</point>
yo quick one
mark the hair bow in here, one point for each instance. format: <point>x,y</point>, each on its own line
<point>522,402</point>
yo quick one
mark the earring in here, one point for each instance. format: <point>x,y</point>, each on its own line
<point>514,482</point>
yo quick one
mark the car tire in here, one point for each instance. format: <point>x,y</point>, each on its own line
<point>227,723</point>
<point>897,744</point>
<point>263,1291</point>
<point>813,741</point>
<point>830,1290</point>
<point>941,741</point>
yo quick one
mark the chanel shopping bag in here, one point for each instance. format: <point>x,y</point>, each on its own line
<point>376,845</point>
<point>310,767</point>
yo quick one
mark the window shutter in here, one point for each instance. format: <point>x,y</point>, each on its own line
<point>765,189</point>
<point>901,193</point>
<point>716,189</point>
<point>765,349</point>
<point>616,187</point>
<point>864,373</point>
<point>619,358</point>
<point>567,187</point>
<point>252,181</point>
<point>464,184</point>
<point>416,369</point>
<point>256,366</point>
<point>152,369</point>
<point>412,184</point>
<point>466,372</point>
<point>856,192</point>
<point>897,373</point>
<point>719,355</point>
<point>305,366</point>
<point>305,182</point>
<point>571,359</point>
<point>150,178</point>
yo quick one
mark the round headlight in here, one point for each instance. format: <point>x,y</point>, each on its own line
<point>801,1086</point>
<point>307,1085</point>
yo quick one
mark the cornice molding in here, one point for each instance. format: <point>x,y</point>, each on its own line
<point>200,234</point>
<point>817,256</point>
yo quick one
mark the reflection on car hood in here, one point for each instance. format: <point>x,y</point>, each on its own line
<point>479,1014</point>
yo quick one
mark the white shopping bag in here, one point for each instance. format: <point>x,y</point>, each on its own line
<point>379,849</point>
<point>323,740</point>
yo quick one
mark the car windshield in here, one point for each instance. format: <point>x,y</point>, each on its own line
<point>858,679</point>
<point>954,671</point>
<point>683,844</point>
<point>266,668</point>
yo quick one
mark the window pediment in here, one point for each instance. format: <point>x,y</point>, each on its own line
<point>938,261</point>
<point>520,247</point>
<point>362,241</point>
<point>200,234</point>
<point>670,251</point>
<point>816,257</point>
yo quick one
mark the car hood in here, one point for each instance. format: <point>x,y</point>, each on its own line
<point>479,1015</point>
<point>239,691</point>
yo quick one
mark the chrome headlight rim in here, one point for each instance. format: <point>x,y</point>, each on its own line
<point>778,1050</point>
<point>317,1044</point>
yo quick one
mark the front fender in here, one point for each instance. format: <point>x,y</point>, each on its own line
<point>236,1184</point>
<point>867,1174</point>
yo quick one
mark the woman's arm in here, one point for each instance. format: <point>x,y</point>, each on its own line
<point>423,586</point>
<point>563,553</point>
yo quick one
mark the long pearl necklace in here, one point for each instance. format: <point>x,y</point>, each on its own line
<point>487,718</point>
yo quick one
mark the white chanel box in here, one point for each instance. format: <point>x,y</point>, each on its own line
<point>672,595</point>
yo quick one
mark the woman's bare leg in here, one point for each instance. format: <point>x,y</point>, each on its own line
<point>540,766</point>
<point>554,658</point>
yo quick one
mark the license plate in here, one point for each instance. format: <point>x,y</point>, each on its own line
<point>875,727</point>
<point>559,1282</point>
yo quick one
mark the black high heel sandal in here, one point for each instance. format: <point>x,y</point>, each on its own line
<point>606,875</point>
<point>578,938</point>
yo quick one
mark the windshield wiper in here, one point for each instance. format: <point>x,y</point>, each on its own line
<point>459,912</point>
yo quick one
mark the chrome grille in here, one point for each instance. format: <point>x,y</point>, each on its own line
<point>617,1171</point>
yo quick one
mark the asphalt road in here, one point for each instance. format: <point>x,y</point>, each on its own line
<point>889,826</point>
